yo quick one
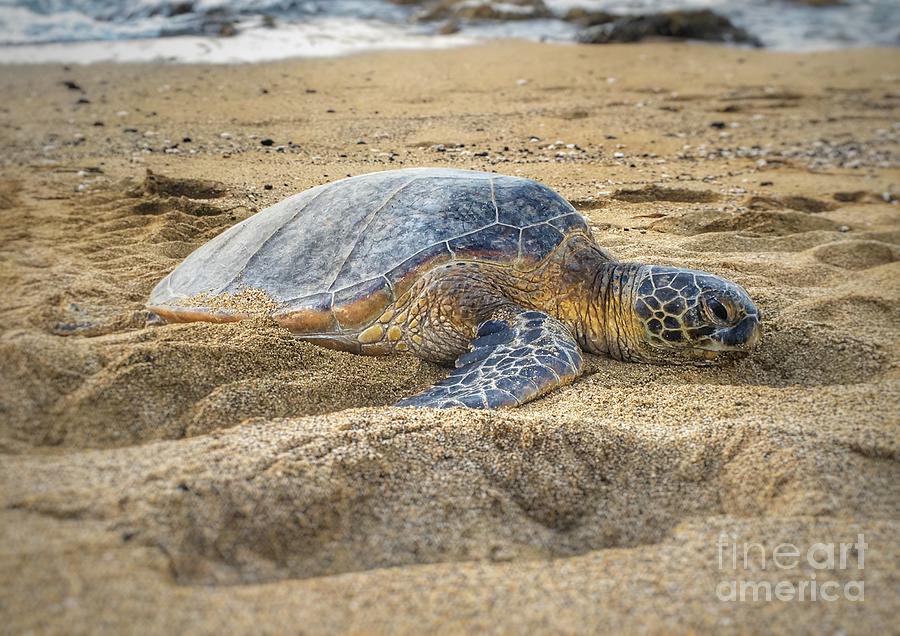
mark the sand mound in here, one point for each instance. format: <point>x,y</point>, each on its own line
<point>177,381</point>
<point>368,489</point>
<point>857,254</point>
<point>873,293</point>
<point>649,194</point>
<point>755,221</point>
<point>732,242</point>
<point>798,203</point>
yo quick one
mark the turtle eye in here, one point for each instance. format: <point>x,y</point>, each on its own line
<point>716,309</point>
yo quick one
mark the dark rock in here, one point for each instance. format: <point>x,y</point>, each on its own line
<point>266,142</point>
<point>485,10</point>
<point>717,124</point>
<point>449,27</point>
<point>820,3</point>
<point>72,86</point>
<point>180,8</point>
<point>685,25</point>
<point>588,18</point>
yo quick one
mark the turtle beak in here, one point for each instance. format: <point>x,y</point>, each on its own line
<point>744,336</point>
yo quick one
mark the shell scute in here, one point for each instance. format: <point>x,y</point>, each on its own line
<point>538,241</point>
<point>521,202</point>
<point>570,222</point>
<point>427,211</point>
<point>494,243</point>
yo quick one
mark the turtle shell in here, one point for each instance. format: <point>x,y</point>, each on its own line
<point>332,258</point>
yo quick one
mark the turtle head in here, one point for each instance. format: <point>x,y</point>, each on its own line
<point>665,315</point>
<point>683,315</point>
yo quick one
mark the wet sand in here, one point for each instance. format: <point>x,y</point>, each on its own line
<point>209,478</point>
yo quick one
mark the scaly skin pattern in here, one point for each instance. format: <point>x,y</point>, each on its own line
<point>438,316</point>
<point>515,357</point>
<point>627,311</point>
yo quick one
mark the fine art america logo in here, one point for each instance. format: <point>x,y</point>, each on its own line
<point>752,572</point>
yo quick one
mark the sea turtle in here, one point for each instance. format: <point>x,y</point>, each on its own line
<point>499,275</point>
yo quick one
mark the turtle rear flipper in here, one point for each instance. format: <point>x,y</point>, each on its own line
<point>512,360</point>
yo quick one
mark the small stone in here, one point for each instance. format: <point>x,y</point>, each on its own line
<point>268,186</point>
<point>450,27</point>
<point>266,142</point>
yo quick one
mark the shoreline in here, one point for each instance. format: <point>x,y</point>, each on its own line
<point>59,51</point>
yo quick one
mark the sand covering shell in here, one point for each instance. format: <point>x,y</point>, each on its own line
<point>254,303</point>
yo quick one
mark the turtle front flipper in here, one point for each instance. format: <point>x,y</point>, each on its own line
<point>512,360</point>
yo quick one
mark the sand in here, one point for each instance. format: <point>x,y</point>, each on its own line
<point>210,478</point>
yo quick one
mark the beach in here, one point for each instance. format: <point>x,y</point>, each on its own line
<point>229,478</point>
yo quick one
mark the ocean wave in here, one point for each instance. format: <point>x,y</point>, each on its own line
<point>58,29</point>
